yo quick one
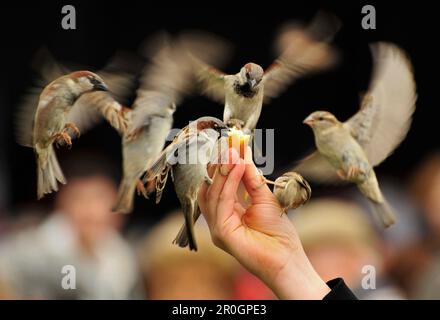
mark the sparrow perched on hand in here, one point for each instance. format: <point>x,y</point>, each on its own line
<point>291,190</point>
<point>164,84</point>
<point>352,148</point>
<point>187,158</point>
<point>302,52</point>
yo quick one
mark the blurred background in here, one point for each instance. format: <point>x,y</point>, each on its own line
<point>122,257</point>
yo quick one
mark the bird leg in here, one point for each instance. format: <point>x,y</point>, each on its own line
<point>62,138</point>
<point>264,181</point>
<point>235,123</point>
<point>341,174</point>
<point>351,174</point>
<point>276,184</point>
<point>72,127</point>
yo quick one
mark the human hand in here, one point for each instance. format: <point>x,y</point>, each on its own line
<point>264,242</point>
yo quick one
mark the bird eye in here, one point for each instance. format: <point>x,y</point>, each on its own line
<point>321,119</point>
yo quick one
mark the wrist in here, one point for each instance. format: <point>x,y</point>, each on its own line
<point>298,280</point>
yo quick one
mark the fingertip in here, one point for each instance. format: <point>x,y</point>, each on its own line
<point>234,156</point>
<point>254,182</point>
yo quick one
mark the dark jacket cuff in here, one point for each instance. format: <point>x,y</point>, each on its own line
<point>339,291</point>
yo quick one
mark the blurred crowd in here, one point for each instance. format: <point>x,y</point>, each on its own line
<point>340,236</point>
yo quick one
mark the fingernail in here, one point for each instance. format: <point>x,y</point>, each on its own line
<point>231,161</point>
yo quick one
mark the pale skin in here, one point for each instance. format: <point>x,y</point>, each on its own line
<point>262,241</point>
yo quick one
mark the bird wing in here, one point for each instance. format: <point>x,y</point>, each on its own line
<point>316,168</point>
<point>165,81</point>
<point>174,66</point>
<point>48,70</point>
<point>24,118</point>
<point>206,53</point>
<point>303,50</point>
<point>161,167</point>
<point>211,80</point>
<point>386,110</point>
<point>168,72</point>
<point>146,104</point>
<point>92,106</point>
<point>116,75</point>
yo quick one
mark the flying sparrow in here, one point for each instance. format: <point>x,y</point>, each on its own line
<point>351,149</point>
<point>303,51</point>
<point>52,121</point>
<point>165,81</point>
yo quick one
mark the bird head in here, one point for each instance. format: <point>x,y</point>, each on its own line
<point>251,74</point>
<point>87,81</point>
<point>321,120</point>
<point>204,123</point>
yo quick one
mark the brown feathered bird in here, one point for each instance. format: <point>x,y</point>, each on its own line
<point>349,150</point>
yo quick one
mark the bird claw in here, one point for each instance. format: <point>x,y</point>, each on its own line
<point>235,123</point>
<point>140,188</point>
<point>352,173</point>
<point>264,181</point>
<point>63,138</point>
<point>208,180</point>
<point>72,127</point>
<point>341,174</point>
<point>283,211</point>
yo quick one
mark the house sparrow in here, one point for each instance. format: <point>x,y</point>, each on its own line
<point>163,85</point>
<point>187,158</point>
<point>291,190</point>
<point>119,75</point>
<point>351,149</point>
<point>302,52</point>
<point>54,118</point>
<point>149,124</point>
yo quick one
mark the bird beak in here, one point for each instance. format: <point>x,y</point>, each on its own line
<point>252,83</point>
<point>309,121</point>
<point>100,87</point>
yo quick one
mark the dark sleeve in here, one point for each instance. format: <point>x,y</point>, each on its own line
<point>339,291</point>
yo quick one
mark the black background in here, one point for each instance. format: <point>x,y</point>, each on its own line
<point>105,27</point>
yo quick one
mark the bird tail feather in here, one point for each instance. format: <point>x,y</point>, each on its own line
<point>125,200</point>
<point>185,237</point>
<point>384,213</point>
<point>48,171</point>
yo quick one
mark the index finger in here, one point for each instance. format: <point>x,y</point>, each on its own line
<point>254,182</point>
